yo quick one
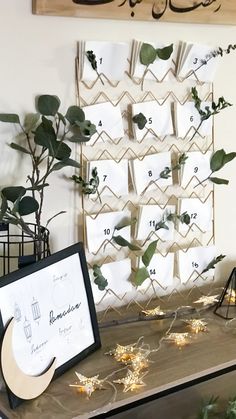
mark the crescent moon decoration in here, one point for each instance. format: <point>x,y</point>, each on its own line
<point>22,385</point>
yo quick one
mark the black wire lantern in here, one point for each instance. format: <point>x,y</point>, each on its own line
<point>19,250</point>
<point>226,306</point>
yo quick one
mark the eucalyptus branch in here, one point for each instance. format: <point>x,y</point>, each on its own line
<point>208,111</point>
<point>92,186</point>
<point>93,61</point>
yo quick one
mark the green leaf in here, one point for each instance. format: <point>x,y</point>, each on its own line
<point>124,243</point>
<point>228,157</point>
<point>164,53</point>
<point>61,151</point>
<point>48,105</point>
<point>147,54</point>
<point>217,160</point>
<point>27,205</point>
<point>45,135</point>
<point>148,254</point>
<point>213,262</point>
<point>219,181</point>
<point>74,113</point>
<point>140,119</point>
<point>65,163</point>
<point>12,193</point>
<point>19,148</point>
<point>141,275</point>
<point>87,129</point>
<point>61,118</point>
<point>12,118</point>
<point>99,280</point>
<point>31,121</point>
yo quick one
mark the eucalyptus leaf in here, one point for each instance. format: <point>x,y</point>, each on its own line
<point>217,160</point>
<point>213,262</point>
<point>45,135</point>
<point>148,254</point>
<point>31,121</point>
<point>147,54</point>
<point>48,105</point>
<point>65,163</point>
<point>228,157</point>
<point>141,275</point>
<point>61,118</point>
<point>27,205</point>
<point>19,148</point>
<point>74,113</point>
<point>12,193</point>
<point>87,129</point>
<point>99,280</point>
<point>218,180</point>
<point>124,243</point>
<point>11,118</point>
<point>164,53</point>
<point>61,151</point>
<point>140,119</point>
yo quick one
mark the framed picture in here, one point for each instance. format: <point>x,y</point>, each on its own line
<point>54,315</point>
<point>187,11</point>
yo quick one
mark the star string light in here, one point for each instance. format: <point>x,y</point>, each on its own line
<point>231,296</point>
<point>207,300</point>
<point>197,325</point>
<point>87,384</point>
<point>180,339</point>
<point>122,353</point>
<point>154,312</point>
<point>140,361</point>
<point>132,381</point>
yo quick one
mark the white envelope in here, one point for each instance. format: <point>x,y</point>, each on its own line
<point>201,214</point>
<point>196,168</point>
<point>148,217</point>
<point>194,261</point>
<point>108,121</point>
<point>100,229</point>
<point>188,119</point>
<point>159,119</point>
<point>113,177</point>
<point>145,173</point>
<point>161,269</point>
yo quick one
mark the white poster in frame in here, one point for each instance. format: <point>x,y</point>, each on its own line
<point>52,304</point>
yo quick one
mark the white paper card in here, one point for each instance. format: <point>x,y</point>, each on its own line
<point>188,119</point>
<point>159,119</point>
<point>161,269</point>
<point>101,228</point>
<point>195,259</point>
<point>192,58</point>
<point>157,70</point>
<point>113,177</point>
<point>148,217</point>
<point>201,214</point>
<point>145,173</point>
<point>108,121</point>
<point>117,275</point>
<point>196,168</point>
<point>111,59</point>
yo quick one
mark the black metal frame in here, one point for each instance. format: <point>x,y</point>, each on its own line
<point>228,306</point>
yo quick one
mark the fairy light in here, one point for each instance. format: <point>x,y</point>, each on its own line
<point>87,385</point>
<point>180,339</point>
<point>154,312</point>
<point>197,325</point>
<point>231,296</point>
<point>207,300</point>
<point>140,361</point>
<point>122,353</point>
<point>132,381</point>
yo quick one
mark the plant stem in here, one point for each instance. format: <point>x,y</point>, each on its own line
<point>199,126</point>
<point>100,77</point>
<point>202,181</point>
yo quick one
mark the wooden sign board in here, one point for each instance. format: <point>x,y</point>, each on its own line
<point>189,11</point>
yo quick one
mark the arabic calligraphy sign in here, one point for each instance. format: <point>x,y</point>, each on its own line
<point>192,11</point>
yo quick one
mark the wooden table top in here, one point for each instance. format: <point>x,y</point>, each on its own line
<point>207,354</point>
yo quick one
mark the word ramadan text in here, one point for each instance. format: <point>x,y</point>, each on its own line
<point>53,318</point>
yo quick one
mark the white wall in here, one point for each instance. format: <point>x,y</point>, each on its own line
<point>37,57</point>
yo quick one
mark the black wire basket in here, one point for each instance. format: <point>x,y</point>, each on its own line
<point>19,250</point>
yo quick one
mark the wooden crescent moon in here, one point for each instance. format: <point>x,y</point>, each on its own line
<point>22,385</point>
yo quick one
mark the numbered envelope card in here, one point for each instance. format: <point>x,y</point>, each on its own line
<point>161,271</point>
<point>196,169</point>
<point>201,214</point>
<point>148,218</point>
<point>159,120</point>
<point>109,171</point>
<point>196,62</point>
<point>118,276</point>
<point>108,121</point>
<point>157,70</point>
<point>111,59</point>
<point>187,120</point>
<point>145,173</point>
<point>100,229</point>
<point>194,261</point>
